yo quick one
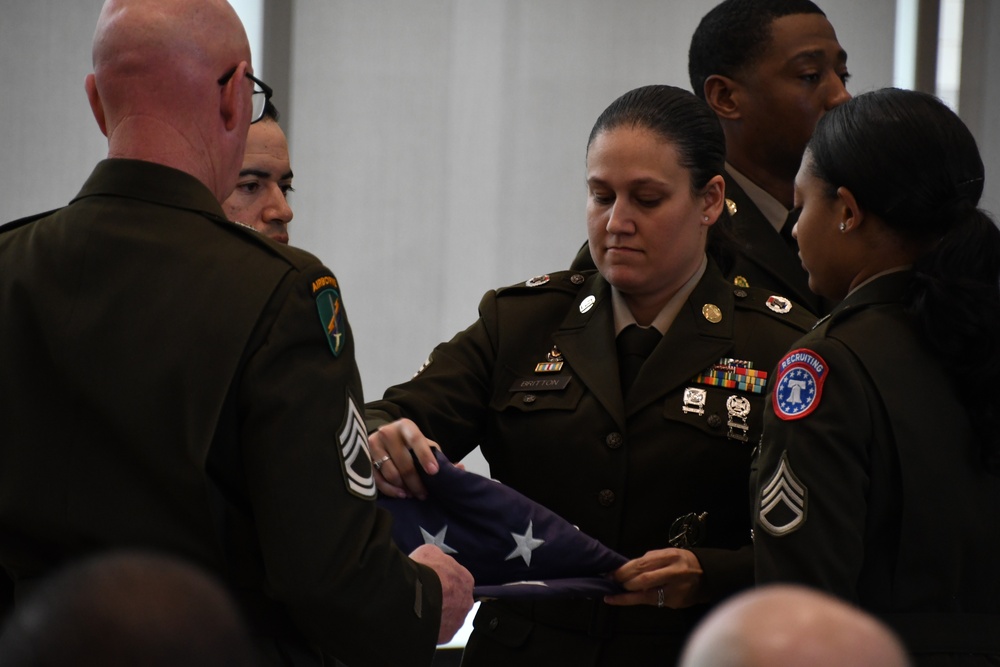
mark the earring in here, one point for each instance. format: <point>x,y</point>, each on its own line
<point>705,218</point>
<point>843,227</point>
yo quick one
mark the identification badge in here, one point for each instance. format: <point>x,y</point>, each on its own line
<point>555,383</point>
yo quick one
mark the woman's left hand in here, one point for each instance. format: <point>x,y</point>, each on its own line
<point>662,578</point>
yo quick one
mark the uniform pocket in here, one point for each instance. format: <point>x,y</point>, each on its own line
<point>526,392</point>
<point>725,413</point>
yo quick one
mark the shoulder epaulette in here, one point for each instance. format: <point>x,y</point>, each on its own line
<point>24,221</point>
<point>776,306</point>
<point>566,281</point>
<point>294,256</point>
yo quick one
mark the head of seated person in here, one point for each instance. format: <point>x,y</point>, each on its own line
<point>127,608</point>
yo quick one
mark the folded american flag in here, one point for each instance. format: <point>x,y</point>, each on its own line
<point>514,547</point>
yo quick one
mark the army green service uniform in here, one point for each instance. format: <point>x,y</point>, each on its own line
<point>174,382</point>
<point>621,470</point>
<point>870,485</point>
<point>765,259</point>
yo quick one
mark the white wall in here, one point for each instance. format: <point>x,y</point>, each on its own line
<point>439,153</point>
<point>438,145</point>
<point>49,141</point>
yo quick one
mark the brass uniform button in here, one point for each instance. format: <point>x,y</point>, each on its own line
<point>614,440</point>
<point>606,498</point>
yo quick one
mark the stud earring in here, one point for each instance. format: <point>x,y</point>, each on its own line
<point>705,218</point>
<point>843,227</point>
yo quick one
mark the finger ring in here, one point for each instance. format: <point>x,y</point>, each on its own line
<point>659,597</point>
<point>378,464</point>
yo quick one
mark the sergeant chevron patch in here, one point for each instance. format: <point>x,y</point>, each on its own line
<point>355,457</point>
<point>783,501</point>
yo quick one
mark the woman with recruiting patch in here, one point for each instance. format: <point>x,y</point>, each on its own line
<point>656,467</point>
<point>877,475</point>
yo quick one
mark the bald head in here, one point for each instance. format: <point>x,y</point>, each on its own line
<point>791,626</point>
<point>155,89</point>
<point>127,609</point>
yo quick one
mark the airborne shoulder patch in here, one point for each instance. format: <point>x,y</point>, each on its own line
<point>331,312</point>
<point>354,453</point>
<point>799,384</point>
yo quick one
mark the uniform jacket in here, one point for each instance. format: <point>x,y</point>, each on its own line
<point>765,260</point>
<point>622,471</point>
<point>874,491</point>
<point>174,382</point>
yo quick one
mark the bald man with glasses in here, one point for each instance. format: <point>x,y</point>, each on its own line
<point>175,382</point>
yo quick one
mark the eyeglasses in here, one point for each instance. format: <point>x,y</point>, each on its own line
<point>259,97</point>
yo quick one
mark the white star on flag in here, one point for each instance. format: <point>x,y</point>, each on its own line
<point>437,540</point>
<point>525,545</point>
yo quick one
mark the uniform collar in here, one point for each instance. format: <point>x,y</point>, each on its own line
<point>663,320</point>
<point>153,183</point>
<point>770,208</point>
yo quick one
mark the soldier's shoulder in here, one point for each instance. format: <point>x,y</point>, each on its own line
<point>295,258</point>
<point>16,224</point>
<point>774,306</point>
<point>567,282</point>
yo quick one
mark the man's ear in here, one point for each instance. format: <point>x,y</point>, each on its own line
<point>720,94</point>
<point>233,103</point>
<point>96,107</point>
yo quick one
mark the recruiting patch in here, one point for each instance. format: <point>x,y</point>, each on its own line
<point>354,454</point>
<point>783,501</point>
<point>331,316</point>
<point>801,375</point>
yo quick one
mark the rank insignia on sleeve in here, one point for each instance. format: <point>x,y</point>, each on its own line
<point>801,375</point>
<point>331,316</point>
<point>783,501</point>
<point>354,454</point>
